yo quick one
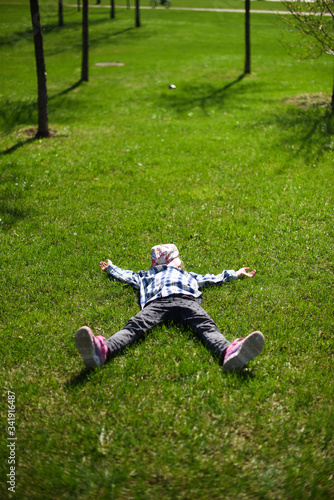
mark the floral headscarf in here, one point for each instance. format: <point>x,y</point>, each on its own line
<point>165,254</point>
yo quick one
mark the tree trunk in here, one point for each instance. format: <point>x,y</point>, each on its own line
<point>84,69</point>
<point>137,14</point>
<point>78,4</point>
<point>43,123</point>
<point>332,103</point>
<point>60,13</point>
<point>247,37</point>
<point>112,11</point>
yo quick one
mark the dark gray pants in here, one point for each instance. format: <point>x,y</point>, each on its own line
<point>177,308</point>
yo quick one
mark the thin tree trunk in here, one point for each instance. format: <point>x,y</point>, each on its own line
<point>247,37</point>
<point>112,11</point>
<point>137,14</point>
<point>60,13</point>
<point>78,4</point>
<point>84,69</point>
<point>43,123</point>
<point>332,103</point>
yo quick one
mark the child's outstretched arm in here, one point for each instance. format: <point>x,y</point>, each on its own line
<point>242,273</point>
<point>119,274</point>
<point>211,279</point>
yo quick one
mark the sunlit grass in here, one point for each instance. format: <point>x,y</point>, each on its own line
<point>235,171</point>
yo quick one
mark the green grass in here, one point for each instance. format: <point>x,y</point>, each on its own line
<point>208,4</point>
<point>234,175</point>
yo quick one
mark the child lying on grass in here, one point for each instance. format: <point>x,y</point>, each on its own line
<point>169,293</point>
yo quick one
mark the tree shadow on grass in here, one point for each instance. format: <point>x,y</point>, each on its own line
<point>11,214</point>
<point>66,91</point>
<point>306,131</point>
<point>18,113</point>
<point>15,113</point>
<point>18,145</point>
<point>13,189</point>
<point>203,95</point>
<point>72,32</point>
<point>304,125</point>
<point>16,37</point>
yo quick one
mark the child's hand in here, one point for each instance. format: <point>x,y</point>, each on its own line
<point>104,265</point>
<point>242,273</point>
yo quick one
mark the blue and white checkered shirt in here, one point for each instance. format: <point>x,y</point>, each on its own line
<point>162,281</point>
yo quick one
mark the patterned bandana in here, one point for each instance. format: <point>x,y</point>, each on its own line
<point>165,254</point>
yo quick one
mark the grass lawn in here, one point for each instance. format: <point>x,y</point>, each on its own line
<point>235,171</point>
<point>208,4</point>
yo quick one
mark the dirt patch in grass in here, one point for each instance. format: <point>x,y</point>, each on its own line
<point>310,100</point>
<point>109,64</point>
<point>31,132</point>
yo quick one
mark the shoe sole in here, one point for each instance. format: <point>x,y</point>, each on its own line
<point>250,348</point>
<point>85,345</point>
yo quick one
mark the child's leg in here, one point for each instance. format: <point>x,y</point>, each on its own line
<point>153,314</point>
<point>95,350</point>
<point>233,356</point>
<point>192,314</point>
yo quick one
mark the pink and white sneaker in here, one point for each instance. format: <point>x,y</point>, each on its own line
<point>241,351</point>
<point>92,349</point>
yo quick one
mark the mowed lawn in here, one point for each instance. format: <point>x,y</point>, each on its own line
<point>236,170</point>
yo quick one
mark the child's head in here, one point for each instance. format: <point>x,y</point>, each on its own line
<point>165,255</point>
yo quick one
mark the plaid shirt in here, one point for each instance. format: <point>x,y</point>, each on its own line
<point>162,281</point>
